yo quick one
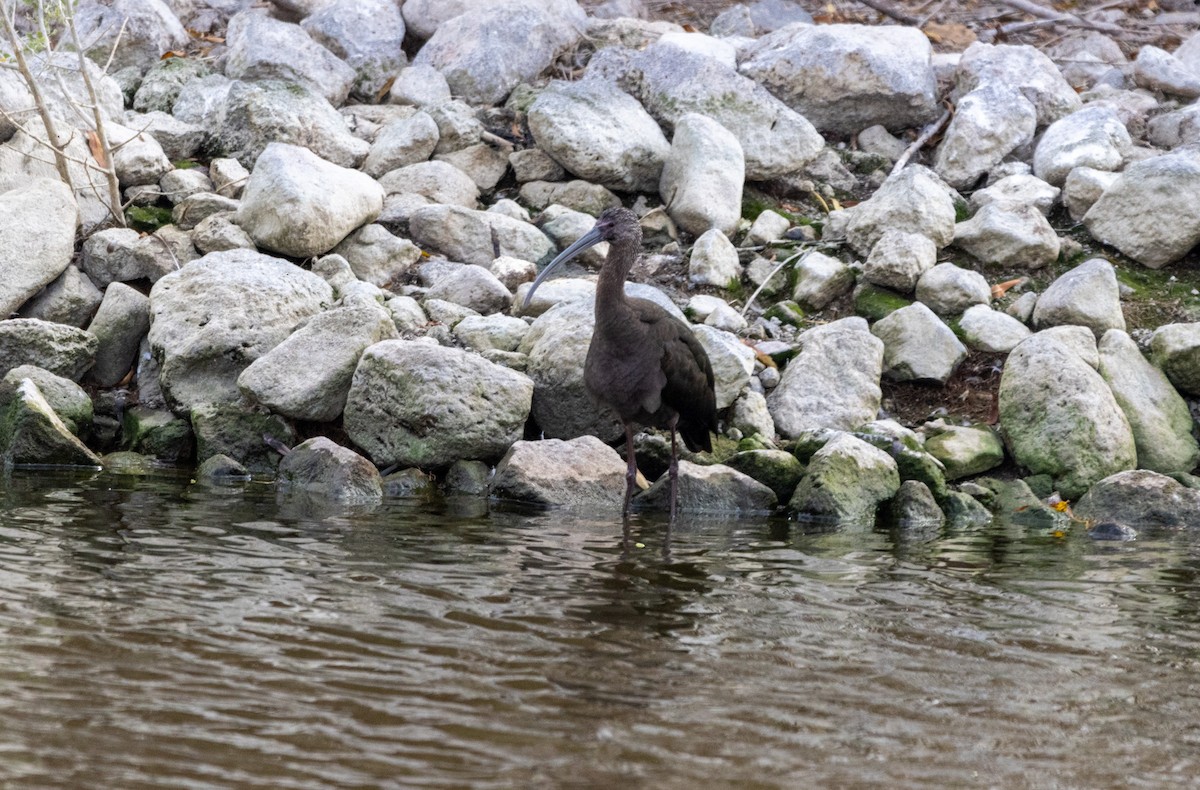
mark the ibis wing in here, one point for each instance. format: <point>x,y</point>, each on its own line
<point>689,387</point>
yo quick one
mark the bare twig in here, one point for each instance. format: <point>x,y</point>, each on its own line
<point>888,9</point>
<point>793,258</point>
<point>56,143</point>
<point>1049,14</point>
<point>109,168</point>
<point>926,135</point>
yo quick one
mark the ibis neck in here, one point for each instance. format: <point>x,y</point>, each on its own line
<point>622,253</point>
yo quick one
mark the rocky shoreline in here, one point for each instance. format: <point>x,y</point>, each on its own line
<point>342,203</point>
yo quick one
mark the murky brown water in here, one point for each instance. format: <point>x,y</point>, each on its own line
<point>156,634</point>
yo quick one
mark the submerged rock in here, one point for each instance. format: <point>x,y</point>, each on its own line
<point>709,489</point>
<point>321,467</point>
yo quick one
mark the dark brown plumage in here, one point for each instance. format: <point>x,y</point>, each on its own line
<point>643,362</point>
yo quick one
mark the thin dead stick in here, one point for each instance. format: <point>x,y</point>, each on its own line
<point>796,257</point>
<point>919,143</point>
<point>56,144</point>
<point>1049,14</point>
<point>887,9</point>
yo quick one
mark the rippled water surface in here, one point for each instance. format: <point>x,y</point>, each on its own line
<point>159,634</point>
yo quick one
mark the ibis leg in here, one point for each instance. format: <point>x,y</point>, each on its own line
<point>674,470</point>
<point>631,469</point>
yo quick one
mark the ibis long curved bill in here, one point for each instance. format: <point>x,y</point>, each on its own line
<point>589,239</point>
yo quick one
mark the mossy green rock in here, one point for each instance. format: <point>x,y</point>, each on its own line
<point>846,482</point>
<point>239,433</point>
<point>963,510</point>
<point>31,433</point>
<point>158,433</point>
<point>966,451</point>
<point>787,311</point>
<point>68,400</point>
<point>778,470</point>
<point>873,303</point>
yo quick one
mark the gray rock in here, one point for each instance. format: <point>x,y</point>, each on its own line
<point>710,489</point>
<point>33,434</point>
<point>400,142</point>
<point>221,469</point>
<point>481,162</point>
<point>965,450</point>
<point>158,433</point>
<point>985,329</point>
<point>218,314</point>
<point>178,139</point>
<point>499,332</point>
<point>844,78</point>
<point>218,232</point>
<point>1162,188</point>
<point>578,195</point>
<point>248,436</point>
<point>424,17</point>
<point>702,177</point>
<point>1085,57</point>
<point>751,416</point>
<point>70,300</point>
<point>23,160</point>
<point>1173,129</point>
<point>1022,189</point>
<point>1141,498</point>
<point>714,260</point>
<point>913,200</point>
<point>458,127</point>
<point>1009,234</point>
<point>1176,349</point>
<point>301,205</point>
<point>37,239</point>
<point>137,158</point>
<point>470,236</point>
<point>565,226</point>
<point>323,468</point>
<point>366,34</point>
<point>534,164</point>
<point>915,506</point>
<point>600,133</point>
<point>990,122</point>
<point>820,279</point>
<point>119,326</point>
<point>580,473</point>
<point>1022,67</point>
<point>447,314</point>
<point>179,185</point>
<point>832,383</point>
<point>485,54</point>
<point>513,272</point>
<point>376,256</point>
<point>847,480</point>
<point>63,350</point>
<point>307,376</point>
<point>1092,137</point>
<point>163,81</point>
<point>768,226</point>
<point>1087,295</point>
<point>1060,417</point>
<point>441,182</point>
<point>67,399</point>
<point>917,346</point>
<point>470,478</point>
<point>1158,70</point>
<point>253,115</point>
<point>263,48</point>
<point>898,260</point>
<point>145,29</point>
<point>472,286</point>
<point>778,470</point>
<point>406,313</point>
<point>1159,417</point>
<point>196,208</point>
<point>948,289</point>
<point>421,86</point>
<point>732,362</point>
<point>65,93</point>
<point>417,404</point>
<point>710,46</point>
<point>671,82</point>
<point>557,344</point>
<point>122,255</point>
<point>1083,187</point>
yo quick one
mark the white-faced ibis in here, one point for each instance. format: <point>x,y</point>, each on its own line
<point>643,362</point>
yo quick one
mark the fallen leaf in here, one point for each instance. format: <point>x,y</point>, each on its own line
<point>999,289</point>
<point>952,35</point>
<point>96,148</point>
